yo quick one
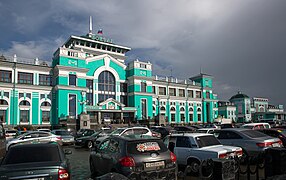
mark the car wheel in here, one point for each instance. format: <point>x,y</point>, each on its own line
<point>89,144</point>
<point>93,172</point>
<point>193,167</point>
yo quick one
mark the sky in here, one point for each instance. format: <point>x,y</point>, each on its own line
<point>241,43</point>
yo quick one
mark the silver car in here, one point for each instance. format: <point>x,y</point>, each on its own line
<point>67,138</point>
<point>252,142</point>
<point>34,137</point>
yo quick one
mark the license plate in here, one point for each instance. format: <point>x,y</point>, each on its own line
<point>155,164</point>
<point>275,145</point>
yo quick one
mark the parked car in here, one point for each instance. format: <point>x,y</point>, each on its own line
<point>210,126</point>
<point>184,129</point>
<point>133,157</point>
<point>2,142</point>
<point>89,141</point>
<point>84,132</point>
<point>163,130</point>
<point>192,148</point>
<point>206,130</point>
<point>256,126</point>
<point>252,142</point>
<point>44,130</point>
<point>275,132</point>
<point>34,137</point>
<point>126,131</point>
<point>10,134</point>
<point>227,125</point>
<point>67,138</point>
<point>35,161</point>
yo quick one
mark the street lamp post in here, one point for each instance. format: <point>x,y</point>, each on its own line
<point>158,106</point>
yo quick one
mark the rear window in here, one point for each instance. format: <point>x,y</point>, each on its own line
<point>202,131</point>
<point>62,133</point>
<point>32,154</point>
<point>204,141</point>
<point>141,147</point>
<point>11,132</point>
<point>254,134</point>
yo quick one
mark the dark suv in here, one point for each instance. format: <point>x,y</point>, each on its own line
<point>133,156</point>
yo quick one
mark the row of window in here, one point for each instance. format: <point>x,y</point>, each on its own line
<point>25,78</point>
<point>181,92</point>
<point>25,116</point>
<point>173,109</point>
<point>174,103</point>
<point>100,46</point>
<point>182,117</point>
<point>24,103</point>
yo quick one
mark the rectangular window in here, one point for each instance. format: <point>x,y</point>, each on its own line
<point>143,87</point>
<point>89,98</point>
<point>46,116</point>
<point>24,115</point>
<point>162,91</point>
<point>208,95</point>
<point>72,80</point>
<point>72,105</point>
<point>25,78</point>
<point>45,80</point>
<point>191,117</point>
<point>198,94</point>
<point>154,89</point>
<point>190,93</point>
<point>181,92</point>
<point>5,76</point>
<point>143,66</point>
<point>182,117</point>
<point>173,118</point>
<point>199,117</point>
<point>123,99</point>
<point>6,94</point>
<point>3,116</point>
<point>123,87</point>
<point>172,92</point>
<point>89,84</point>
<point>144,108</point>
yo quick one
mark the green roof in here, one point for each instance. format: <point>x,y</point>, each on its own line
<point>239,95</point>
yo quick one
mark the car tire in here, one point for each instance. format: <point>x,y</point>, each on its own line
<point>93,172</point>
<point>193,167</point>
<point>89,144</point>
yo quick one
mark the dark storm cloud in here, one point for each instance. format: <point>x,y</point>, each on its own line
<point>241,43</point>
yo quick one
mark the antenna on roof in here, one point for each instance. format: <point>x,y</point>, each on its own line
<point>90,25</point>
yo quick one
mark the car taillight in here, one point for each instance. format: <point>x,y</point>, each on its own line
<point>127,161</point>
<point>173,157</point>
<point>222,156</point>
<point>63,174</point>
<point>239,153</point>
<point>264,144</point>
<point>280,142</point>
<point>59,138</point>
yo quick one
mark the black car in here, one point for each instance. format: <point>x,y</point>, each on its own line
<point>84,132</point>
<point>89,141</point>
<point>184,129</point>
<point>35,161</point>
<point>134,157</point>
<point>164,131</point>
<point>275,132</point>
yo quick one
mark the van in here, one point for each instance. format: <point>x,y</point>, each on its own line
<point>256,126</point>
<point>2,142</point>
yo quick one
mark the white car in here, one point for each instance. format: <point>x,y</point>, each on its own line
<point>206,130</point>
<point>33,137</point>
<point>44,130</point>
<point>127,131</point>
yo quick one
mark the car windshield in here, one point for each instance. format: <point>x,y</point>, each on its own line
<point>146,146</point>
<point>247,127</point>
<point>62,133</point>
<point>117,131</point>
<point>96,133</point>
<point>204,141</point>
<point>21,155</point>
<point>253,134</point>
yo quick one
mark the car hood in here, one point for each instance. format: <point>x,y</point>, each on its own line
<point>221,148</point>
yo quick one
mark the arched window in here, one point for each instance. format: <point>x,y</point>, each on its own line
<point>162,108</point>
<point>182,109</point>
<point>199,110</point>
<point>154,109</point>
<point>24,103</point>
<point>173,109</point>
<point>191,109</point>
<point>106,86</point>
<point>45,103</point>
<point>3,102</point>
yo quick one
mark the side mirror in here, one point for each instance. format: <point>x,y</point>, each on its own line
<point>67,151</point>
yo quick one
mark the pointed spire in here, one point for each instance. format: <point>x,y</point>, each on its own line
<point>90,25</point>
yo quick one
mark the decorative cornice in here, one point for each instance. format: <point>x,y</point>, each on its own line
<point>57,87</point>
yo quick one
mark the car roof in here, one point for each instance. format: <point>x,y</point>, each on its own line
<point>235,129</point>
<point>191,134</point>
<point>134,137</point>
<point>49,144</point>
<point>253,124</point>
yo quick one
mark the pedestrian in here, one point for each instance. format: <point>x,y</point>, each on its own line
<point>25,129</point>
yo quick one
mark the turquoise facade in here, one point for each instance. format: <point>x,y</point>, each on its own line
<point>90,76</point>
